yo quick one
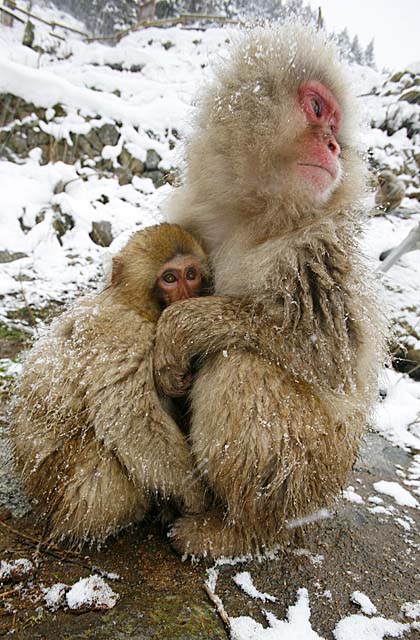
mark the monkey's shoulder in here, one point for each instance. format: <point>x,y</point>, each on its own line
<point>91,328</point>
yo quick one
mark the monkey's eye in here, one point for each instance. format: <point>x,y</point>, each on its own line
<point>169,278</point>
<point>191,274</point>
<point>316,107</point>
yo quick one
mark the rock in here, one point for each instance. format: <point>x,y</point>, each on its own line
<point>108,134</point>
<point>101,233</point>
<point>157,177</point>
<point>29,34</point>
<point>5,514</point>
<point>152,160</point>
<point>16,570</point>
<point>86,146</point>
<point>18,144</point>
<point>124,177</point>
<point>14,108</point>
<point>130,164</point>
<point>60,112</point>
<point>397,76</point>
<point>10,256</point>
<point>62,222</point>
<point>412,96</point>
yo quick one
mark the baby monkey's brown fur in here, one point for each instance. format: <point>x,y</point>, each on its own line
<point>93,440</point>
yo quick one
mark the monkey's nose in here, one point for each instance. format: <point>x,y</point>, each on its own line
<point>333,146</point>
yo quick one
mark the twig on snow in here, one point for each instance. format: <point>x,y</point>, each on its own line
<point>219,607</point>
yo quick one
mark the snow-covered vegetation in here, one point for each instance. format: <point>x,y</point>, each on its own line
<point>91,139</point>
<point>90,143</point>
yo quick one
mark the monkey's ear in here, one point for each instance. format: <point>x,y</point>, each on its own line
<point>117,269</point>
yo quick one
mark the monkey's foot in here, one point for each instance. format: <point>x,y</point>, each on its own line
<point>209,536</point>
<point>194,497</point>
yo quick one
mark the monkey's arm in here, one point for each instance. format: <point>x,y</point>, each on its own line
<point>200,326</point>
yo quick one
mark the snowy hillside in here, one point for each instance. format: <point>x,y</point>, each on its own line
<point>90,140</point>
<point>90,145</point>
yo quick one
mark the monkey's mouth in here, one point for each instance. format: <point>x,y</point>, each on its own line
<point>317,166</point>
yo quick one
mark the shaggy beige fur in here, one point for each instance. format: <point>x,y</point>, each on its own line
<point>93,440</point>
<point>290,344</point>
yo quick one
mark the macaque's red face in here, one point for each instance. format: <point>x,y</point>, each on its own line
<point>318,153</point>
<point>179,279</point>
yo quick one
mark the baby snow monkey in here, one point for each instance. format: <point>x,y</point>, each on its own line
<point>92,438</point>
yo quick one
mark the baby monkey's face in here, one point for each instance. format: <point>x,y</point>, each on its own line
<point>179,279</point>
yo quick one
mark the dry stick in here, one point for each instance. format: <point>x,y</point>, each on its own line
<point>219,607</point>
<point>32,318</point>
<point>47,22</point>
<point>66,555</point>
<point>50,549</point>
<point>55,35</point>
<point>416,368</point>
<point>37,551</point>
<point>10,13</point>
<point>7,593</point>
<point>164,22</point>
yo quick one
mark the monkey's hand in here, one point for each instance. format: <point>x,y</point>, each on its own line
<point>180,385</point>
<point>172,375</point>
<point>198,326</point>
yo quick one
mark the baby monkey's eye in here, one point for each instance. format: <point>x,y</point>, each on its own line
<point>169,278</point>
<point>191,274</point>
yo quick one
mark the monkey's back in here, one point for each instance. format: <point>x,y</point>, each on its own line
<point>89,347</point>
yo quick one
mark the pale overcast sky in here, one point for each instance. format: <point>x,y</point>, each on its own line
<point>394,24</point>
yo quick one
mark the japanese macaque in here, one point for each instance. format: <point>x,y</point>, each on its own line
<point>290,344</point>
<point>93,440</point>
<point>390,192</point>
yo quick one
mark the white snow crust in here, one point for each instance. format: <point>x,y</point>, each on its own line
<point>396,491</point>
<point>21,567</point>
<point>296,627</point>
<point>352,496</point>
<point>411,609</point>
<point>54,597</point>
<point>364,602</point>
<point>91,592</point>
<point>362,628</point>
<point>244,581</point>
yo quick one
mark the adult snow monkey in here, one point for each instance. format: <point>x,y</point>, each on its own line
<point>290,342</point>
<point>92,439</point>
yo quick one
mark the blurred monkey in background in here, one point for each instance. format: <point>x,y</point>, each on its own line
<point>390,192</point>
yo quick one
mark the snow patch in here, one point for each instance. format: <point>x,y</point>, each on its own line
<point>55,596</point>
<point>362,628</point>
<point>397,416</point>
<point>411,609</point>
<point>244,581</point>
<point>15,570</point>
<point>351,495</point>
<point>364,602</point>
<point>396,491</point>
<point>297,626</point>
<point>92,592</point>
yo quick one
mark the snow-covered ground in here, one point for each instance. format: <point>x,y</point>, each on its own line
<point>145,87</point>
<point>367,625</point>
